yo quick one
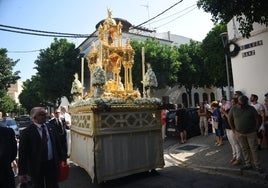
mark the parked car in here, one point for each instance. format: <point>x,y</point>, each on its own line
<point>23,122</point>
<point>10,123</point>
<point>192,121</point>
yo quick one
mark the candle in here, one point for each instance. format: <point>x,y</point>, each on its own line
<point>82,73</point>
<point>143,69</point>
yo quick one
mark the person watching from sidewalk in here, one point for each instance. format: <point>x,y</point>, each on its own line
<point>261,111</point>
<point>180,121</point>
<point>164,112</point>
<point>203,120</point>
<point>236,150</point>
<point>266,117</point>
<point>217,120</point>
<point>244,121</point>
<point>237,94</point>
<point>225,104</point>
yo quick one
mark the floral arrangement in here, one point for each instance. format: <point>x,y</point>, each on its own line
<point>96,101</point>
<point>109,100</point>
<point>98,77</point>
<point>147,101</point>
<point>93,101</point>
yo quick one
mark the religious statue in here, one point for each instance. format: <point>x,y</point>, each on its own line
<point>121,85</point>
<point>77,88</point>
<point>150,80</point>
<point>110,25</point>
<point>128,46</point>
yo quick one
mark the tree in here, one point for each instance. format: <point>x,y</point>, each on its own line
<point>162,58</point>
<point>56,67</point>
<point>7,76</point>
<point>30,95</point>
<point>190,73</point>
<point>7,104</point>
<point>213,54</point>
<point>246,12</point>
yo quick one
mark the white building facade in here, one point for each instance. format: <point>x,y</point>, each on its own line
<point>250,65</point>
<point>14,91</point>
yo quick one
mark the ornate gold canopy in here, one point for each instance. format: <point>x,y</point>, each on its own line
<point>114,58</point>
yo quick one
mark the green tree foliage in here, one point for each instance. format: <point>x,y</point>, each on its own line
<point>30,95</point>
<point>214,58</point>
<point>56,67</point>
<point>163,60</point>
<point>7,76</point>
<point>246,11</point>
<point>191,72</point>
<point>7,104</point>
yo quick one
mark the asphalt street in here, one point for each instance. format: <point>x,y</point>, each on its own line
<point>168,177</point>
<point>198,163</point>
<point>195,164</point>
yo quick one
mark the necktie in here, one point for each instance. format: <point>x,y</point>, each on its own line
<point>59,121</point>
<point>44,143</point>
<point>61,131</point>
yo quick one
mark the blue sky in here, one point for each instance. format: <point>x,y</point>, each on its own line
<point>81,16</point>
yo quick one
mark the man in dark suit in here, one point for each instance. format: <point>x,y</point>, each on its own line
<point>60,125</point>
<point>40,152</point>
<point>8,153</point>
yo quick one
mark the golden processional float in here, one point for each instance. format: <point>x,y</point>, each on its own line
<point>115,132</point>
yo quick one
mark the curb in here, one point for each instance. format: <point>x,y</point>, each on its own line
<point>246,175</point>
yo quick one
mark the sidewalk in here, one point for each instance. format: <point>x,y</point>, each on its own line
<point>199,153</point>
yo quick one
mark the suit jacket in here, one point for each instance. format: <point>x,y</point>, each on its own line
<point>30,154</point>
<point>61,130</point>
<point>57,127</point>
<point>8,152</point>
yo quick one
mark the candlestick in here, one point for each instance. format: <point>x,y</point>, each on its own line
<point>143,71</point>
<point>82,74</point>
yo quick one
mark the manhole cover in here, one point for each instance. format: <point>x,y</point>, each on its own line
<point>188,147</point>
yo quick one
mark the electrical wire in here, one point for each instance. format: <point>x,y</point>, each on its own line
<point>38,31</point>
<point>175,18</point>
<point>69,35</point>
<point>32,51</point>
<point>159,14</point>
<point>46,35</point>
<point>194,5</point>
<point>29,51</point>
<point>65,35</point>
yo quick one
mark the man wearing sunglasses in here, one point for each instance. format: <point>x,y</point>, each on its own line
<point>40,152</point>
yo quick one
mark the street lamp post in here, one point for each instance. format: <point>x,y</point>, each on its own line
<point>224,38</point>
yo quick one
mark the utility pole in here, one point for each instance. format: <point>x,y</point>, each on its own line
<point>224,38</point>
